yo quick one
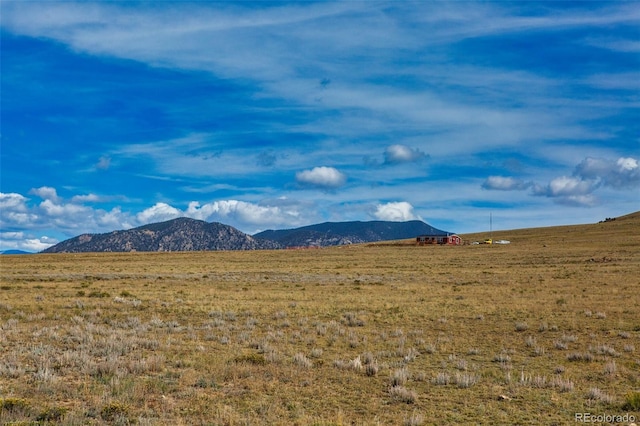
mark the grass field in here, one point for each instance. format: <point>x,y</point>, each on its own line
<point>527,333</point>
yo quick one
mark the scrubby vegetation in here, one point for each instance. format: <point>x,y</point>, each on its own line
<point>530,332</point>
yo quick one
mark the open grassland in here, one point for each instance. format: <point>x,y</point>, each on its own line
<point>527,333</point>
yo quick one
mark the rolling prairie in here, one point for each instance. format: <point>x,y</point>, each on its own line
<point>392,333</point>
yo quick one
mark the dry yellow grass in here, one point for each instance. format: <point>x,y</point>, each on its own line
<point>527,333</point>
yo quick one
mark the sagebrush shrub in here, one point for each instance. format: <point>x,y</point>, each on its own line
<point>402,394</point>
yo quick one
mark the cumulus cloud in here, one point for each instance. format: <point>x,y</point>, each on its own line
<point>321,177</point>
<point>578,189</point>
<point>20,217</point>
<point>36,244</point>
<point>396,154</point>
<point>232,212</point>
<point>502,183</point>
<point>70,217</point>
<point>26,242</point>
<point>241,210</point>
<point>400,211</point>
<point>46,193</point>
<point>14,211</point>
<point>588,176</point>
<point>621,173</point>
<point>569,186</point>
<point>60,209</point>
<point>159,212</point>
<point>12,201</point>
<point>569,191</point>
<point>246,213</point>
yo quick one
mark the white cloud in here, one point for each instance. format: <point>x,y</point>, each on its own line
<point>626,173</point>
<point>46,193</point>
<point>593,168</point>
<point>19,219</point>
<point>321,177</point>
<point>12,201</point>
<point>589,175</point>
<point>14,211</point>
<point>396,212</point>
<point>12,235</point>
<point>395,154</point>
<point>569,186</point>
<point>627,164</point>
<point>621,173</point>
<point>36,244</point>
<point>52,209</point>
<point>569,191</point>
<point>502,183</point>
<point>24,241</point>
<point>242,212</point>
<point>229,209</point>
<point>113,219</point>
<point>53,212</point>
<point>159,212</point>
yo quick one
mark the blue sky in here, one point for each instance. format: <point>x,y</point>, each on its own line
<point>269,115</point>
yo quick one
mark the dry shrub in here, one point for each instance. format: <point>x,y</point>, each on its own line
<point>610,368</point>
<point>442,379</point>
<point>465,380</point>
<point>580,357</point>
<point>400,377</point>
<point>402,394</point>
<point>301,360</point>
<point>597,395</point>
<point>371,369</point>
<point>563,385</point>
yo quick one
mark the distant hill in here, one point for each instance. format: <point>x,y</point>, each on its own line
<point>340,233</point>
<point>624,227</point>
<point>15,252</point>
<point>182,234</point>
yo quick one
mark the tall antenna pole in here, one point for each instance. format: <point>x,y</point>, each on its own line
<point>491,226</point>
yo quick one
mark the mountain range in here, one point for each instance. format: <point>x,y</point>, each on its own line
<point>185,234</point>
<point>341,233</point>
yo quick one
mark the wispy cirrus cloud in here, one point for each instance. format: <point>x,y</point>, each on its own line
<point>103,163</point>
<point>502,183</point>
